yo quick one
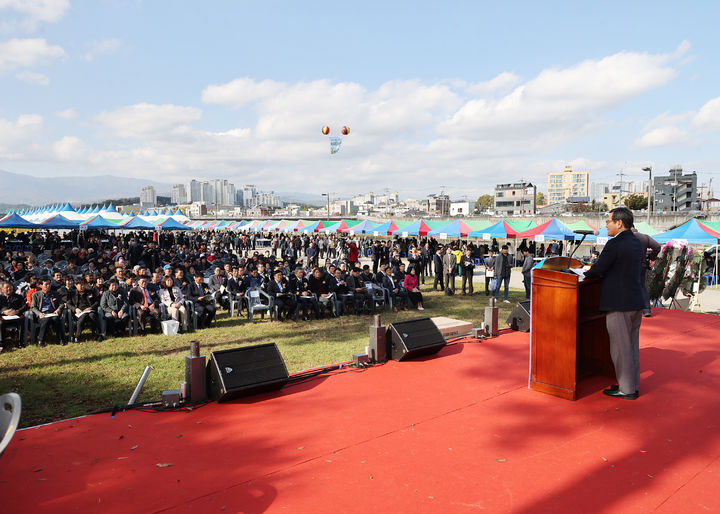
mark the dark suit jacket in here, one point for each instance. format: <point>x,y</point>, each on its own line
<point>195,291</point>
<point>136,297</point>
<point>620,266</point>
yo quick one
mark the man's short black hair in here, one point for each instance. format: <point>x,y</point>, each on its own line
<point>623,214</point>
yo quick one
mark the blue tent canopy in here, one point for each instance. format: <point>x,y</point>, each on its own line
<point>100,223</point>
<point>692,232</point>
<point>498,230</point>
<point>365,227</point>
<point>171,224</point>
<point>138,224</point>
<point>60,222</point>
<point>15,221</point>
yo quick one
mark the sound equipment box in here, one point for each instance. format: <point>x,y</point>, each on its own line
<point>519,318</point>
<point>245,371</point>
<point>412,338</point>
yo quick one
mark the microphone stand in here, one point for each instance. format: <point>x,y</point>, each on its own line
<point>575,249</point>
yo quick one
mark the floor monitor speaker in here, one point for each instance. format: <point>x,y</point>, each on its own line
<point>519,318</point>
<point>245,371</point>
<point>412,338</point>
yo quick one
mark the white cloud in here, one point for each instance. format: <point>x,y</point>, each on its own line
<point>709,115</point>
<point>32,77</point>
<point>240,92</point>
<point>102,47</point>
<point>70,148</point>
<point>149,120</point>
<point>14,134</point>
<point>501,83</point>
<point>25,53</point>
<point>662,136</point>
<point>33,12</point>
<point>67,114</point>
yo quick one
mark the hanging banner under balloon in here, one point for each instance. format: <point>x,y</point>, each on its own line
<point>335,143</point>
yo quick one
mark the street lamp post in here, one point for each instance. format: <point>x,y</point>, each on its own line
<point>650,190</point>
<point>328,205</point>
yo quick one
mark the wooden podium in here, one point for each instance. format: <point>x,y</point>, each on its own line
<point>568,337</point>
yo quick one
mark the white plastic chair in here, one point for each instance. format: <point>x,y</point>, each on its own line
<point>10,407</point>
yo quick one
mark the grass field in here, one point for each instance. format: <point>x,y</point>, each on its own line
<point>58,382</point>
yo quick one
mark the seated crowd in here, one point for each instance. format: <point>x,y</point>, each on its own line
<point>113,288</point>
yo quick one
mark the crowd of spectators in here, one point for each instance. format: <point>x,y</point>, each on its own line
<point>107,284</point>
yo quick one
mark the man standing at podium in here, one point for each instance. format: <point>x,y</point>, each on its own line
<point>621,297</point>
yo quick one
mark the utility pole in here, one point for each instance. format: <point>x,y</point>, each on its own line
<point>649,190</point>
<point>621,187</point>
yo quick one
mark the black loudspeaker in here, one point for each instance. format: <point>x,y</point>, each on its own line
<point>412,338</point>
<point>519,318</point>
<point>245,371</point>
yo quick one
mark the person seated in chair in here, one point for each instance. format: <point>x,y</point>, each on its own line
<point>173,299</point>
<point>146,304</point>
<point>236,286</point>
<point>115,308</point>
<point>199,294</point>
<point>399,294</point>
<point>284,298</point>
<point>12,311</point>
<point>217,285</point>
<point>300,287</point>
<point>83,304</point>
<point>341,289</point>
<point>361,294</point>
<point>319,284</point>
<point>48,310</point>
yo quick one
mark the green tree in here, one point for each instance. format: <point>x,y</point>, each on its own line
<point>484,202</point>
<point>636,202</point>
<point>540,199</point>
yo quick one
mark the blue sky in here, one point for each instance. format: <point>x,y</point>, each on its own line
<point>455,94</point>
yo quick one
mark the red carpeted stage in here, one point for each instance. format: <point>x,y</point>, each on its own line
<point>453,432</point>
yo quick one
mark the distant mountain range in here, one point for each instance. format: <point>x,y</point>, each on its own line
<point>17,189</point>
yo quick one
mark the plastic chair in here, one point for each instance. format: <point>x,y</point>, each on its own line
<point>259,300</point>
<point>378,297</point>
<point>10,408</point>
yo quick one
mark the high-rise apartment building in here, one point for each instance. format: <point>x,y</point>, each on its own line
<point>148,197</point>
<point>179,194</point>
<point>566,184</point>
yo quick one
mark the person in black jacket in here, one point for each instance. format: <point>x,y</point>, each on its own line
<point>11,305</point>
<point>319,284</point>
<point>621,297</point>
<point>438,268</point>
<point>284,298</point>
<point>202,299</point>
<point>300,287</point>
<point>115,308</point>
<point>147,305</point>
<point>83,305</point>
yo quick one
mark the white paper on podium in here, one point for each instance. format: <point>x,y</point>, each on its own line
<point>580,272</point>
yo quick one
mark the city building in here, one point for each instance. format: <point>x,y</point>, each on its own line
<point>179,194</point>
<point>247,194</point>
<point>196,210</point>
<point>439,205</point>
<point>461,208</point>
<point>675,192</point>
<point>148,198</point>
<point>567,183</point>
<point>515,199</point>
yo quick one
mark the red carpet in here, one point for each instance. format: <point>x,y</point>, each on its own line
<point>459,431</point>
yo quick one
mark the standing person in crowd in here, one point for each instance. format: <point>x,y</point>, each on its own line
<point>467,265</point>
<point>413,289</point>
<point>651,248</point>
<point>449,263</point>
<point>489,270</point>
<point>502,270</point>
<point>527,267</point>
<point>622,300</point>
<point>376,251</point>
<point>353,258</point>
<point>438,268</point>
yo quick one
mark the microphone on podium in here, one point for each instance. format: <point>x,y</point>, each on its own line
<point>587,232</point>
